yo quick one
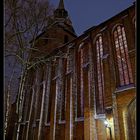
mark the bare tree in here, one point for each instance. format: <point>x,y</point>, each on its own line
<point>24,20</point>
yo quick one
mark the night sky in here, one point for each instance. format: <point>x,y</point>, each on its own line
<point>87,13</point>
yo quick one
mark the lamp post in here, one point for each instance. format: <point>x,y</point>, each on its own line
<point>107,125</point>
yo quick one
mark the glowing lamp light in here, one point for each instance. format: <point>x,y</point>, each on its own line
<point>106,123</point>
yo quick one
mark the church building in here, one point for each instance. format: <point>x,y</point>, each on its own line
<point>81,87</point>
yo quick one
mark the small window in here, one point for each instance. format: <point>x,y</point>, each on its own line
<point>66,39</point>
<point>45,39</point>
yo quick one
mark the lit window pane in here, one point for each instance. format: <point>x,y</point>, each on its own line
<point>100,80</point>
<point>124,68</point>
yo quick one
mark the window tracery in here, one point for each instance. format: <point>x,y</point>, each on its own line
<point>100,76</point>
<point>122,57</point>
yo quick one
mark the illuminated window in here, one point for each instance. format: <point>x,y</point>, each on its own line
<point>122,57</point>
<point>100,76</point>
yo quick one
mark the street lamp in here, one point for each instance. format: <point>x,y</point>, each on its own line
<point>107,125</point>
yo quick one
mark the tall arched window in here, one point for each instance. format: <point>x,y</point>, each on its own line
<point>100,76</point>
<point>63,88</point>
<point>122,57</point>
<point>51,90</point>
<point>80,105</point>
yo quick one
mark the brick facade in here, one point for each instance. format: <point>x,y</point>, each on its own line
<point>69,86</point>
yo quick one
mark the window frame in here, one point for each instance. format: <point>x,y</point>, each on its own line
<point>120,46</point>
<point>99,98</point>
